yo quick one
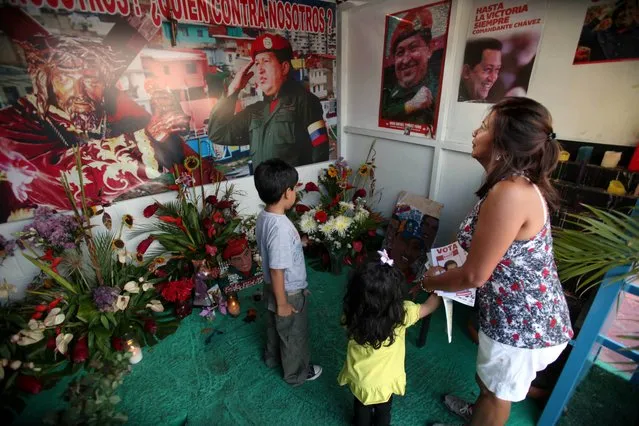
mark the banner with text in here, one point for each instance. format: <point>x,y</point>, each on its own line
<point>500,50</point>
<point>147,89</point>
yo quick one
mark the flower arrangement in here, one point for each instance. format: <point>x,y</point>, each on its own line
<point>89,294</point>
<point>342,219</point>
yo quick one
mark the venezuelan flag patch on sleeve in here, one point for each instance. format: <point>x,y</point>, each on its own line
<point>317,133</point>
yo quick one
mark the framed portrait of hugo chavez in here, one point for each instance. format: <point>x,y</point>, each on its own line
<point>412,68</point>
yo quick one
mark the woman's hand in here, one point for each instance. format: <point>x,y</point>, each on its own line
<point>432,271</point>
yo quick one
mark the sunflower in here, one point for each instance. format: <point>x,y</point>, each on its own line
<point>363,170</point>
<point>191,163</point>
<point>332,172</point>
<point>118,244</point>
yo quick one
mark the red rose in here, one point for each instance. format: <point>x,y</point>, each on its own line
<point>210,250</point>
<point>150,210</point>
<point>150,326</point>
<point>144,245</point>
<point>321,216</point>
<point>357,246</point>
<point>117,343</point>
<point>224,204</point>
<point>301,208</point>
<point>29,384</point>
<point>80,350</point>
<point>360,193</point>
<point>311,187</point>
<point>51,343</point>
<point>211,199</point>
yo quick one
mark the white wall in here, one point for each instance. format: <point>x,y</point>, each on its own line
<point>592,103</point>
<point>18,271</point>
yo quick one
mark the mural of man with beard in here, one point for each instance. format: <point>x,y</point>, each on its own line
<point>74,104</point>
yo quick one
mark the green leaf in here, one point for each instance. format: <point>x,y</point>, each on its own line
<point>104,321</point>
<point>47,270</point>
<point>87,311</point>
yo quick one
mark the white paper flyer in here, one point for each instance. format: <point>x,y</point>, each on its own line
<point>450,257</point>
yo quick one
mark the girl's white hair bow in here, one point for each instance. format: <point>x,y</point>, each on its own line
<point>384,258</point>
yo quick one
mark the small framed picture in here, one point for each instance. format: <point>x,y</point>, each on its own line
<point>214,295</point>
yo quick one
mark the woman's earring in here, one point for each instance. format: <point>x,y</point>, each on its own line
<point>498,158</point>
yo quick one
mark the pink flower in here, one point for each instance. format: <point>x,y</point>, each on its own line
<point>211,250</point>
<point>357,246</point>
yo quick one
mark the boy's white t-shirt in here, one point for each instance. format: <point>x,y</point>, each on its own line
<point>280,247</point>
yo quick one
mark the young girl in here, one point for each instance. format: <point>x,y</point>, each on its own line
<point>376,318</point>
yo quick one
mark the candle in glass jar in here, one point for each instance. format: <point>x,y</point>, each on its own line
<point>233,305</point>
<point>136,351</point>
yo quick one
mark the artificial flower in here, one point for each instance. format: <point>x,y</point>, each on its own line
<point>360,193</point>
<point>51,343</point>
<point>158,262</point>
<point>29,337</point>
<point>151,209</point>
<point>150,326</point>
<point>155,305</point>
<point>145,244</point>
<point>127,219</point>
<point>14,365</point>
<point>80,351</point>
<point>117,343</point>
<point>363,170</point>
<point>132,287</point>
<point>29,384</point>
<point>36,325</point>
<point>6,289</point>
<point>118,244</point>
<point>321,216</point>
<point>224,204</point>
<point>123,256</point>
<point>147,286</point>
<point>311,187</point>
<point>62,342</point>
<point>177,221</point>
<point>218,218</point>
<point>178,290</point>
<point>122,302</point>
<point>105,297</point>
<point>211,250</point>
<point>332,172</point>
<point>344,206</point>
<point>357,246</point>
<point>55,302</point>
<point>302,208</point>
<point>211,199</point>
<point>107,221</point>
<point>36,315</point>
<point>55,317</point>
<point>308,224</point>
<point>361,215</point>
<point>191,163</point>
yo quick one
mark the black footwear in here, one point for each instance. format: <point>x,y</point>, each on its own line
<point>458,406</point>
<point>314,371</point>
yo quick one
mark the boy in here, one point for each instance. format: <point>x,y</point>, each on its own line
<point>285,283</point>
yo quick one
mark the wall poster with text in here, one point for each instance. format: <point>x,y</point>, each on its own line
<point>610,32</point>
<point>501,48</point>
<point>143,88</point>
<point>412,68</point>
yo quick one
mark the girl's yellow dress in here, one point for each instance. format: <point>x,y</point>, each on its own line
<point>373,375</point>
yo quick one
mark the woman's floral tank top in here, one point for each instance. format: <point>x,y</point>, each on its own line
<point>522,304</point>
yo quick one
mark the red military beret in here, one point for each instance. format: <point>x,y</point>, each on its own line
<point>272,43</point>
<point>414,22</point>
<point>235,247</point>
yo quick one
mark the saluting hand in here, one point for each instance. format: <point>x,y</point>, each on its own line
<point>241,79</point>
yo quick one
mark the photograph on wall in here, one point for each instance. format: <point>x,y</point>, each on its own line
<point>500,51</point>
<point>142,92</point>
<point>411,232</point>
<point>610,32</point>
<point>412,68</point>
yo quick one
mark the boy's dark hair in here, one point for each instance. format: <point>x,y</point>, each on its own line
<point>450,263</point>
<point>272,178</point>
<point>475,50</point>
<point>374,304</point>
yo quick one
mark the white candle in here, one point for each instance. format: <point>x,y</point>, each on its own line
<point>136,352</point>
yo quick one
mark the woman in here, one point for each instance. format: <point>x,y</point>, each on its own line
<point>524,322</point>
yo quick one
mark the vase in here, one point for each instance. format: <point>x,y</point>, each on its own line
<point>336,261</point>
<point>183,308</point>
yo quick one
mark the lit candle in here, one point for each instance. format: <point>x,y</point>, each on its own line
<point>136,351</point>
<point>233,305</point>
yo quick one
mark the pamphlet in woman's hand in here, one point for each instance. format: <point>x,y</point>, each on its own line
<point>450,257</point>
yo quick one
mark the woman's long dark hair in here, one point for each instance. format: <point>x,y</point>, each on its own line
<point>373,304</point>
<point>523,143</point>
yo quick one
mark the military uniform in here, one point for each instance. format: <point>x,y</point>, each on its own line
<point>294,131</point>
<point>394,98</point>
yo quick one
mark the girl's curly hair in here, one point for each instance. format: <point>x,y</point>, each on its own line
<point>373,304</point>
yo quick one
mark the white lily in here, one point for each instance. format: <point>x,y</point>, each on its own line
<point>36,325</point>
<point>29,337</point>
<point>54,318</point>
<point>15,364</point>
<point>123,255</point>
<point>147,286</point>
<point>155,305</point>
<point>132,287</point>
<point>62,342</point>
